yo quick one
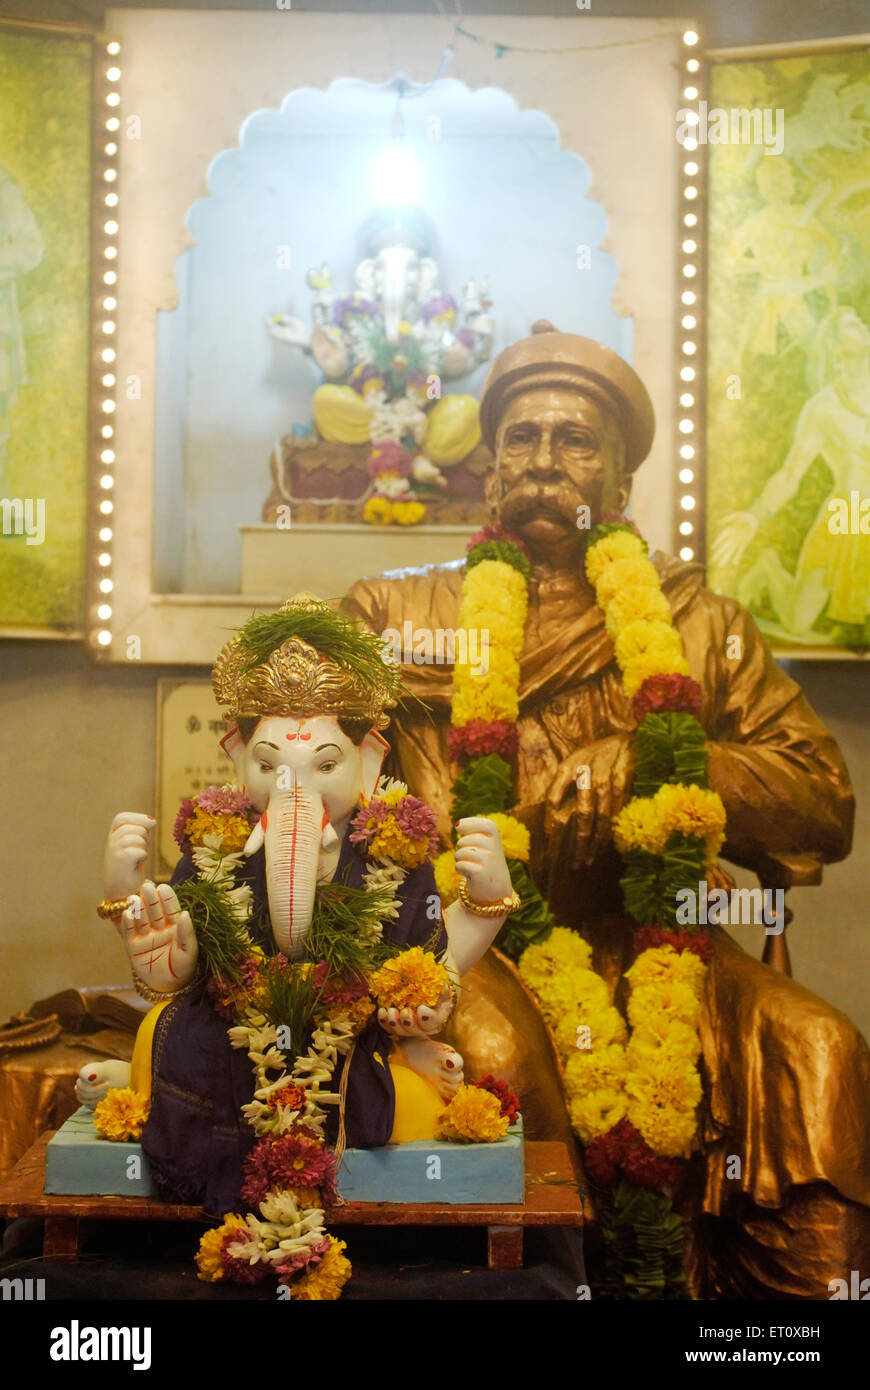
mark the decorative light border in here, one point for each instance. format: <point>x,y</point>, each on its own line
<point>104,353</point>
<point>689,518</point>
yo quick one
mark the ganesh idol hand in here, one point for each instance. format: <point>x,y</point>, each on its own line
<point>126,851</point>
<point>159,938</point>
<point>480,859</point>
<point>421,1022</point>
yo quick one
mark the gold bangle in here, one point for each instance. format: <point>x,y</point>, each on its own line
<point>112,907</point>
<point>161,996</point>
<point>501,908</point>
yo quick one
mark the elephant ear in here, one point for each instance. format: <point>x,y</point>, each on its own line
<point>373,750</point>
<point>234,746</point>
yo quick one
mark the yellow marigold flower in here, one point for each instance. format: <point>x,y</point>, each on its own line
<point>671,1038</point>
<point>639,826</point>
<point>664,1082</point>
<point>472,1116</point>
<point>506,631</point>
<point>356,1014</point>
<point>408,980</point>
<point>593,1070</point>
<point>408,513</point>
<point>664,963</point>
<point>493,699</point>
<point>234,830</point>
<point>561,994</point>
<point>499,583</point>
<point>325,1280</point>
<point>306,1198</point>
<point>378,511</point>
<point>391,842</point>
<point>624,574</point>
<point>208,1256</point>
<point>562,950</point>
<point>494,661</point>
<point>595,1112</point>
<point>619,545</point>
<point>694,811</point>
<point>514,835</point>
<point>668,1132</point>
<point>670,999</point>
<point>638,603</point>
<point>446,877</point>
<point>121,1114</point>
<point>605,1023</point>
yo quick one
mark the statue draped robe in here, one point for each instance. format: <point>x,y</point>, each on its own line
<point>786,1077</point>
<point>196,1138</point>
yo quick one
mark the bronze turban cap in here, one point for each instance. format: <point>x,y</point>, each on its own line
<point>550,358</point>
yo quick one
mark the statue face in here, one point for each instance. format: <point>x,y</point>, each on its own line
<point>556,450</point>
<point>320,754</point>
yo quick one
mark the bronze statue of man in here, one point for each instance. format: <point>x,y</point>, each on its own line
<point>786,1077</point>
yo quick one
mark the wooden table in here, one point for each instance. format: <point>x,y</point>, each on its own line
<point>552,1199</point>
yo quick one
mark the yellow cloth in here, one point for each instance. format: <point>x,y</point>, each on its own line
<point>418,1104</point>
<point>140,1067</point>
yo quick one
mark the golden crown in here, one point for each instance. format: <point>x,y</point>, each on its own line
<point>306,659</point>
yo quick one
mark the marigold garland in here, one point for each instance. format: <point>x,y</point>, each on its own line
<point>632,1099</point>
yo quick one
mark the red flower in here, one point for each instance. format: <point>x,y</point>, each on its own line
<point>663,694</point>
<point>238,1270</point>
<point>496,533</point>
<point>481,736</point>
<point>301,1259</point>
<point>510,1104</point>
<point>647,938</point>
<point>623,1149</point>
<point>293,1160</point>
<point>619,519</point>
<point>341,987</point>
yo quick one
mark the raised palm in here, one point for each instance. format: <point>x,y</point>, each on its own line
<point>159,938</point>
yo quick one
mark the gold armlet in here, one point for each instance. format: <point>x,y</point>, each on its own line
<point>501,908</point>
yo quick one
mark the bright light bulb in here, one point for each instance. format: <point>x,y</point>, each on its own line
<point>689,246</point>
<point>690,93</point>
<point>690,192</point>
<point>105,533</point>
<point>110,175</point>
<point>112,99</point>
<point>687,452</point>
<point>109,303</point>
<point>111,200</point>
<point>107,480</point>
<point>690,143</point>
<point>113,74</point>
<point>106,507</point>
<point>109,326</point>
<point>687,503</point>
<point>107,456</point>
<point>690,220</point>
<point>111,253</point>
<point>113,47</point>
<point>686,475</point>
<point>397,177</point>
<point>690,37</point>
<point>110,228</point>
<point>686,427</point>
<point>686,528</point>
<point>687,373</point>
<point>691,169</point>
<point>688,348</point>
<point>686,399</point>
<point>113,123</point>
<point>108,407</point>
<point>107,431</point>
<point>110,277</point>
<point>692,64</point>
<point>689,271</point>
<point>108,354</point>
<point>106,586</point>
<point>688,321</point>
<point>688,296</point>
<point>104,612</point>
<point>104,638</point>
<point>104,559</point>
<point>686,552</point>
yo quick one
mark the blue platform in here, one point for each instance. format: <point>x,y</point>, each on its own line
<point>80,1163</point>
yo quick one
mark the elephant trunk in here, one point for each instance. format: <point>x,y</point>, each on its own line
<point>292,830</point>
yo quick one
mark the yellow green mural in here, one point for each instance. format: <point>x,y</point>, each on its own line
<point>788,358</point>
<point>45,113</point>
